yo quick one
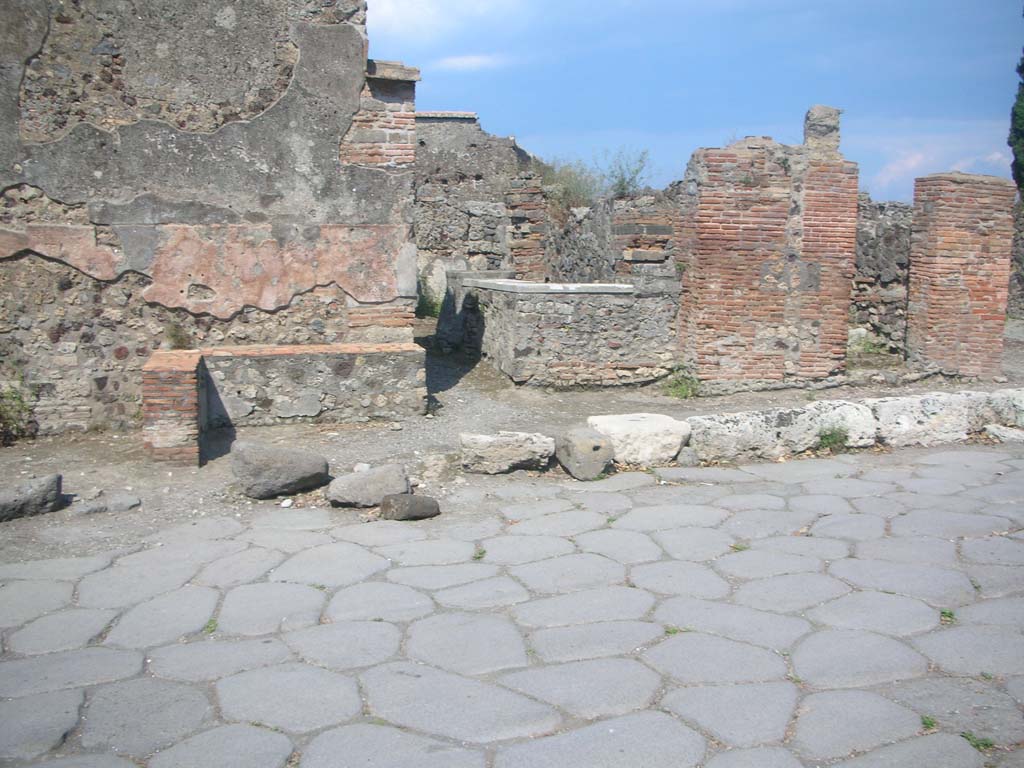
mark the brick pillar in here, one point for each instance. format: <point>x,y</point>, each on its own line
<point>172,406</point>
<point>527,209</point>
<point>960,272</point>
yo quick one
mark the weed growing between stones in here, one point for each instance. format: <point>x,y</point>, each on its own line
<point>947,616</point>
<point>980,743</point>
<point>833,439</point>
<point>15,415</point>
<point>928,723</point>
<point>682,386</point>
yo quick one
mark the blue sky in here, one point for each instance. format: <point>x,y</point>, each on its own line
<point>925,85</point>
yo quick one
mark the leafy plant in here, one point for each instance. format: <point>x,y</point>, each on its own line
<point>682,385</point>
<point>947,616</point>
<point>1016,138</point>
<point>928,723</point>
<point>571,184</point>
<point>626,172</point>
<point>980,743</point>
<point>15,415</point>
<point>833,438</point>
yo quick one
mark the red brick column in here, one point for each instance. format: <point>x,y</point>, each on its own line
<point>527,209</point>
<point>171,408</point>
<point>960,272</point>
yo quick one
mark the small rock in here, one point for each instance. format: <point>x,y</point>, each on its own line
<point>643,438</point>
<point>119,501</point>
<point>688,458</point>
<point>266,471</point>
<point>369,487</point>
<point>585,453</point>
<point>1005,434</point>
<point>405,506</point>
<point>34,497</point>
<point>505,452</point>
<point>287,503</point>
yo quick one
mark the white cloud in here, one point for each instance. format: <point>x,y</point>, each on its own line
<point>429,20</point>
<point>903,167</point>
<point>472,63</point>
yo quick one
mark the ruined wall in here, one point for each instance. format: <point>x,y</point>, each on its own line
<point>879,297</point>
<point>238,171</point>
<point>959,272</point>
<point>767,242</point>
<point>1015,307</point>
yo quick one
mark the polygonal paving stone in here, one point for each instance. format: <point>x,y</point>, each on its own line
<point>759,564</point>
<point>940,750</point>
<point>55,569</point>
<point>738,715</point>
<point>516,489</point>
<point>603,503</point>
<point>22,601</point>
<point>676,495</point>
<point>378,601</point>
<point>1015,687</point>
<point>847,658</point>
<point>939,486</point>
<point>283,540</point>
<point>670,516</point>
<point>994,551</point>
<point>376,746</point>
<point>515,550</point>
<point>433,552</point>
<point>608,604</point>
<point>489,593</point>
<point>379,533</point>
<point>948,525</point>
<point>470,644</point>
<point>961,705</point>
<point>570,573</point>
<point>693,658</point>
<point>996,580</point>
<point>293,697</point>
<point>591,641</point>
<point>759,524</point>
<point>735,622</point>
<point>704,475</point>
<point>34,725</point>
<point>138,717</point>
<point>820,505</point>
<point>67,669</point>
<point>87,761</point>
<point>230,746</point>
<point>333,565</point>
<point>786,594</point>
<point>855,527</point>
<point>880,506</point>
<point>195,553</point>
<point>528,510</point>
<point>762,757</point>
<point>998,493</point>
<point>63,631</point>
<point>810,546</point>
<point>680,578</point>
<point>847,487</point>
<point>622,481</point>
<point>940,587</point>
<point>922,501</point>
<point>838,723</point>
<point>976,649</point>
<point>259,609</point>
<point>877,612</point>
<point>641,740</point>
<point>347,644</point>
<point>214,659</point>
<point>239,568</point>
<point>441,576</point>
<point>800,471</point>
<point>697,544</point>
<point>743,501</point>
<point>1007,611</point>
<point>294,519</point>
<point>909,549</point>
<point>122,586</point>
<point>432,701</point>
<point>589,689</point>
<point>165,619</point>
<point>559,524</point>
<point>627,547</point>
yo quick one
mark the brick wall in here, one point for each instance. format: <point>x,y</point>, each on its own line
<point>172,410</point>
<point>959,272</point>
<point>383,131</point>
<point>527,235</point>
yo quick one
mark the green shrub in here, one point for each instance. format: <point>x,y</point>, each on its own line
<point>571,184</point>
<point>682,386</point>
<point>15,415</point>
<point>626,173</point>
<point>833,438</point>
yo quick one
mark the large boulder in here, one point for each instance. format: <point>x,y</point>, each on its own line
<point>405,506</point>
<point>801,429</point>
<point>728,436</point>
<point>931,419</point>
<point>33,497</point>
<point>265,471</point>
<point>505,452</point>
<point>369,486</point>
<point>585,453</point>
<point>643,439</point>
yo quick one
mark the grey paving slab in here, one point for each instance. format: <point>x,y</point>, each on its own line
<point>948,525</point>
<point>853,527</point>
<point>378,601</point>
<point>1008,611</point>
<point>786,594</point>
<point>760,564</point>
<point>432,577</point>
<point>569,523</point>
<point>589,689</point>
<point>515,550</point>
<point>437,702</point>
<point>665,495</point>
<point>735,622</point>
<point>741,502</point>
<point>165,618</point>
<point>284,540</point>
<point>197,553</point>
<point>961,704</point>
<point>840,723</point>
<point>34,725</point>
<point>847,487</point>
<point>679,578</point>
<point>55,569</point>
<point>705,475</point>
<point>23,601</point>
<point>1015,687</point>
<point>877,612</point>
<point>882,506</point>
<point>569,573</point>
<point>647,739</point>
<point>230,746</point>
<point>332,565</point>
<point>379,533</point>
<point>626,547</point>
<point>993,551</point>
<point>527,510</point>
<point>923,501</point>
<point>744,715</point>
<point>214,659</point>
<point>665,517</point>
<point>810,546</point>
<point>697,658</point>
<point>800,471</point>
<point>762,523</point>
<point>293,697</point>
<point>940,750</point>
<point>939,587</point>
<point>138,717</point>
<point>697,544</point>
<point>432,552</point>
<point>587,606</point>
<point>998,493</point>
<point>259,609</point>
<point>239,568</point>
<point>591,641</point>
<point>378,746</point>
<point>847,658</point>
<point>603,503</point>
<point>623,481</point>
<point>294,519</point>
<point>467,643</point>
<point>973,650</point>
<point>123,586</point>
<point>820,504</point>
<point>939,486</point>
<point>465,530</point>
<point>66,669</point>
<point>88,761</point>
<point>489,593</point>
<point>996,580</point>
<point>532,489</point>
<point>924,550</point>
<point>761,757</point>
<point>62,631</point>
<point>346,644</point>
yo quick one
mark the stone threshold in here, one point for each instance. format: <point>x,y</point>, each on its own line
<point>524,286</point>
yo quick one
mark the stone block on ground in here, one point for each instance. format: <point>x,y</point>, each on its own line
<point>1005,434</point>
<point>930,419</point>
<point>584,453</point>
<point>405,506</point>
<point>505,452</point>
<point>808,424</point>
<point>643,438</point>
<point>266,471</point>
<point>33,497</point>
<point>368,487</point>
